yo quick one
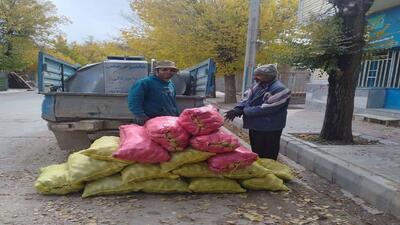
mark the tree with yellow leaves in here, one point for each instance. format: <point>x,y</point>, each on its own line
<point>25,25</point>
<point>189,31</point>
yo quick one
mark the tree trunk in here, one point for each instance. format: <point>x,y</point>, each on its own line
<point>230,89</point>
<point>339,108</point>
<point>342,83</point>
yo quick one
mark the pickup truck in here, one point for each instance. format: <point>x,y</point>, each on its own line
<point>84,103</point>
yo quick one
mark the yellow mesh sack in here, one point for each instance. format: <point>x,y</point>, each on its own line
<point>280,170</point>
<point>195,170</point>
<point>83,168</point>
<point>54,180</point>
<point>252,171</point>
<point>164,186</point>
<point>141,172</point>
<point>111,185</point>
<point>103,148</point>
<point>269,182</point>
<point>187,156</point>
<point>215,185</point>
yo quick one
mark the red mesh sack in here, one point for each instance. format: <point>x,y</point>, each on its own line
<point>168,133</point>
<point>200,121</point>
<point>217,142</point>
<point>136,145</point>
<point>230,161</point>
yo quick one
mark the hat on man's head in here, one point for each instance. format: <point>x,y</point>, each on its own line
<point>267,70</point>
<point>165,64</point>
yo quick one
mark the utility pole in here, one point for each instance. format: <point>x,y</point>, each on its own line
<point>251,44</point>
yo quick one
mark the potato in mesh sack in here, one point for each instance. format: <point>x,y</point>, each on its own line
<point>164,186</point>
<point>141,172</point>
<point>215,185</point>
<point>279,169</point>
<point>229,161</point>
<point>165,131</point>
<point>103,148</point>
<point>269,182</point>
<point>111,185</point>
<point>136,145</point>
<point>195,170</point>
<point>202,120</point>
<point>217,142</point>
<point>252,171</point>
<point>187,156</point>
<point>83,168</point>
<point>54,180</point>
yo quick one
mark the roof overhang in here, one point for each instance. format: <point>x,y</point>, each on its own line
<point>380,5</point>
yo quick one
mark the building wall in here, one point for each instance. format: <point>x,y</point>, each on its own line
<point>379,78</point>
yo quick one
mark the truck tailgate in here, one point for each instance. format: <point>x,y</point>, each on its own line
<point>64,106</point>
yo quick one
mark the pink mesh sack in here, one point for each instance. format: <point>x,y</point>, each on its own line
<point>230,161</point>
<point>200,121</point>
<point>217,142</point>
<point>136,145</point>
<point>168,133</point>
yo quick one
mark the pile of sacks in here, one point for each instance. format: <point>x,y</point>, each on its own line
<point>168,154</point>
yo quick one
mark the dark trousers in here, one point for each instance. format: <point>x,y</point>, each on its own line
<point>265,143</point>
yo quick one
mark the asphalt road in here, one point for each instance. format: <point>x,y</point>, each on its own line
<point>26,145</point>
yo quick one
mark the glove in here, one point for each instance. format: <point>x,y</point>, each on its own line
<point>141,120</point>
<point>231,114</point>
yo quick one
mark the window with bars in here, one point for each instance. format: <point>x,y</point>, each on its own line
<point>372,73</point>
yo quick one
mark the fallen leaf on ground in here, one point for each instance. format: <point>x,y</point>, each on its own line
<point>253,216</point>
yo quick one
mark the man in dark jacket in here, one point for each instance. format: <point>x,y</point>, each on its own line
<point>154,95</point>
<point>264,111</point>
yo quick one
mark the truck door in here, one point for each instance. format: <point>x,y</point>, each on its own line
<point>52,73</point>
<point>200,79</point>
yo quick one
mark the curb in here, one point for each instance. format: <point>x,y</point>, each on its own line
<point>380,192</point>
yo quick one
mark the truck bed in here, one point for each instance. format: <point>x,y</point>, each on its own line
<point>66,106</point>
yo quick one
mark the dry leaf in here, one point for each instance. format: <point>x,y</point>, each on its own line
<point>242,195</point>
<point>253,216</point>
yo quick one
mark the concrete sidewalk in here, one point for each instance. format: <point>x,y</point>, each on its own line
<point>371,172</point>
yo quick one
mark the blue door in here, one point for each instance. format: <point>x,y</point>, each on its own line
<point>52,73</point>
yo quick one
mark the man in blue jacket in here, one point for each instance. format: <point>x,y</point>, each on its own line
<point>154,95</point>
<point>264,111</point>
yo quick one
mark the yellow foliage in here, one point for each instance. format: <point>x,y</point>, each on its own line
<point>278,20</point>
<point>191,31</point>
